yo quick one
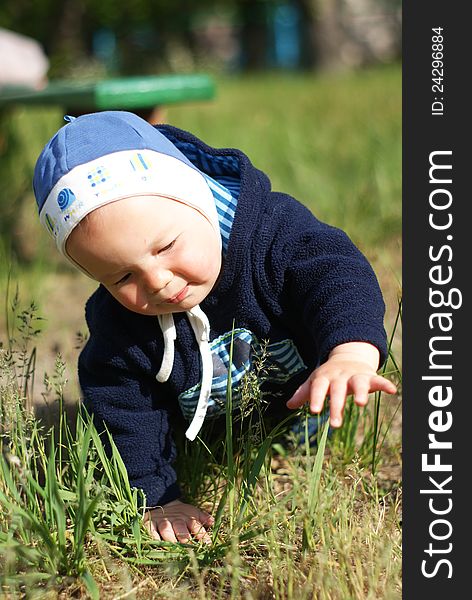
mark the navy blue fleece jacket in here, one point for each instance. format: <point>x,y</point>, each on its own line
<point>290,282</point>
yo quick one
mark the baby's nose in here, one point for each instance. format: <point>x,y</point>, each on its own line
<point>156,280</point>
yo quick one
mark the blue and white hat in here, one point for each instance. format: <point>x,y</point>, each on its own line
<point>106,156</point>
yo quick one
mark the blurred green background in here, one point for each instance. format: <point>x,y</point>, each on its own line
<point>147,36</point>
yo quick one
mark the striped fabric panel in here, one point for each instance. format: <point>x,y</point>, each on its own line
<point>225,202</point>
<point>216,402</point>
<point>232,184</point>
<point>286,359</point>
<point>283,362</point>
<point>217,165</point>
<point>221,348</point>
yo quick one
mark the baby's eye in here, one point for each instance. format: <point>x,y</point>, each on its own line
<point>168,247</point>
<point>123,279</point>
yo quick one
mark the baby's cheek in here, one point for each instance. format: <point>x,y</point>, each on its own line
<point>199,264</point>
<point>129,297</point>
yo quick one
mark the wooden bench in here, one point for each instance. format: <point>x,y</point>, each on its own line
<point>145,96</point>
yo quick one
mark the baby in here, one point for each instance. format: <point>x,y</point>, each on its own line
<point>186,240</point>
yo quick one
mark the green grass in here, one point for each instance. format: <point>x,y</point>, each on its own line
<point>288,523</point>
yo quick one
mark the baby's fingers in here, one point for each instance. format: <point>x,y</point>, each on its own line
<point>360,389</point>
<point>175,530</point>
<point>318,392</point>
<point>380,384</point>
<point>313,390</point>
<point>151,528</point>
<point>166,531</point>
<point>205,518</point>
<point>182,531</point>
<point>198,531</point>
<point>337,400</point>
<point>300,396</point>
<point>363,385</point>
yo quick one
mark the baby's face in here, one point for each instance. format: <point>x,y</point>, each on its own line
<point>153,254</point>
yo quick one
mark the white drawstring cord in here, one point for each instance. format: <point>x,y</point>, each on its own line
<point>201,329</point>
<point>169,332</point>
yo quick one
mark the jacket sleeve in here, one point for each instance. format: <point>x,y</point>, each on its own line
<point>328,284</point>
<point>119,389</point>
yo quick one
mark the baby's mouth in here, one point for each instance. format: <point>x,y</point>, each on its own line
<point>178,297</point>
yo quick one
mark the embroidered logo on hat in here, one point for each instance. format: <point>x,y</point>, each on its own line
<point>138,163</point>
<point>50,224</point>
<point>65,198</point>
<point>97,176</point>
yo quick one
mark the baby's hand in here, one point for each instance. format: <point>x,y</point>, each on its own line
<point>178,522</point>
<point>350,369</point>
